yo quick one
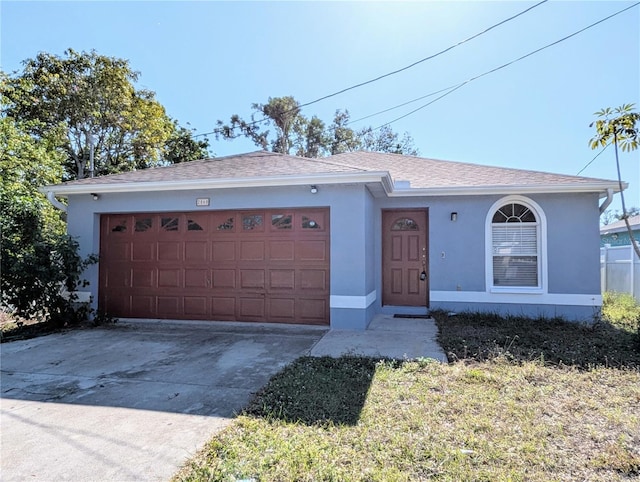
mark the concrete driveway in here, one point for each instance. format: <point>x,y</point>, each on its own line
<point>131,401</point>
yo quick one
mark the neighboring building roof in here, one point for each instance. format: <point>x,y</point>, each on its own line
<point>396,174</point>
<point>619,226</point>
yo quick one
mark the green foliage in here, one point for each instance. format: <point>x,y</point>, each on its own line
<point>25,166</point>
<point>38,260</point>
<point>39,276</point>
<point>385,140</point>
<point>619,125</point>
<point>342,138</point>
<point>283,112</point>
<point>621,310</point>
<point>84,102</point>
<point>182,147</point>
<point>310,137</point>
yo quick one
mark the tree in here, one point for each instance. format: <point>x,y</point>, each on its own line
<point>182,147</point>
<point>385,140</point>
<point>342,138</point>
<point>619,127</point>
<point>279,112</point>
<point>310,138</point>
<point>284,112</point>
<point>36,257</point>
<point>87,105</point>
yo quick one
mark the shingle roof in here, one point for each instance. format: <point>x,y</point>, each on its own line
<point>431,173</point>
<point>252,164</point>
<point>634,222</point>
<point>422,173</point>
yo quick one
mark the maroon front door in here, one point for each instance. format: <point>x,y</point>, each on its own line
<point>254,265</point>
<point>405,268</point>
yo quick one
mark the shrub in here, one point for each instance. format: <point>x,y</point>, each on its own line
<point>35,277</point>
<point>38,260</point>
<point>621,310</point>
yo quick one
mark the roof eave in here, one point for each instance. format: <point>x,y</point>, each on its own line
<point>598,187</point>
<point>64,190</point>
<point>382,177</point>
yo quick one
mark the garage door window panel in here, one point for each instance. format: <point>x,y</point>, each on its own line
<point>281,221</point>
<point>143,224</point>
<point>170,224</point>
<point>228,225</point>
<point>118,225</point>
<point>253,222</point>
<point>312,222</point>
<point>194,225</point>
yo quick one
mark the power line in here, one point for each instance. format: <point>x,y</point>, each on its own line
<point>510,63</point>
<point>400,105</point>
<point>424,59</point>
<point>591,161</point>
<point>215,131</point>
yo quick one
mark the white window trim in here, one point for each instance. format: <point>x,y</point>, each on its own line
<point>542,247</point>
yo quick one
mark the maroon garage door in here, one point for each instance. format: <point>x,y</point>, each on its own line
<point>259,265</point>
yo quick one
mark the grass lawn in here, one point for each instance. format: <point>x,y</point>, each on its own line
<point>530,400</point>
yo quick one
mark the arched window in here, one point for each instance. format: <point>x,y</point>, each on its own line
<point>515,245</point>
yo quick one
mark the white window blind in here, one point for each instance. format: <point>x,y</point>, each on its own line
<point>515,254</point>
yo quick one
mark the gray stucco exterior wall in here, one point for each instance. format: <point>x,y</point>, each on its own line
<point>457,249</point>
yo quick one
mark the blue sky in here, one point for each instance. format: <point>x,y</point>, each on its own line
<point>207,60</point>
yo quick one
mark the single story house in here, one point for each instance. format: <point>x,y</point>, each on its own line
<point>616,234</point>
<point>267,237</point>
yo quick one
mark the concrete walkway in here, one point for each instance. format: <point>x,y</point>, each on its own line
<point>386,337</point>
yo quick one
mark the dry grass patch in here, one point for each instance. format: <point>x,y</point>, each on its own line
<point>489,420</point>
<point>522,400</point>
<point>481,336</point>
<point>13,327</point>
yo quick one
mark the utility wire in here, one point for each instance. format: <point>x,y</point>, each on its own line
<point>397,106</point>
<point>215,131</point>
<point>426,58</point>
<point>400,105</point>
<point>591,161</point>
<point>510,63</point>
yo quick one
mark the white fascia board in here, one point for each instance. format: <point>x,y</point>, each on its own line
<point>382,177</point>
<point>599,187</point>
<point>201,184</point>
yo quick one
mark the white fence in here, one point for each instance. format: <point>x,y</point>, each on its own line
<point>620,270</point>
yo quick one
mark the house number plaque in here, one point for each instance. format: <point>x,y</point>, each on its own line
<point>202,201</point>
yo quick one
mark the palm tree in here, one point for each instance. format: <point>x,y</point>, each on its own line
<point>619,127</point>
